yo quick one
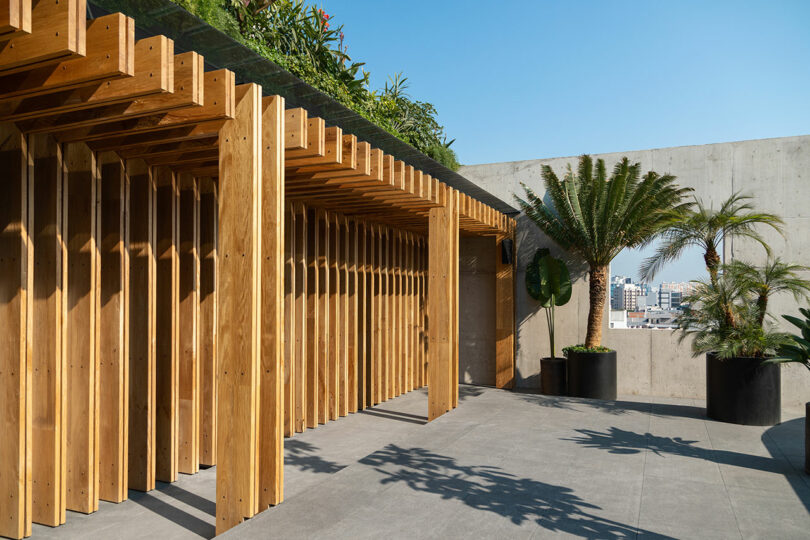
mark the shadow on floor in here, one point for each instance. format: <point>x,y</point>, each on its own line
<point>491,489</point>
<point>304,456</point>
<point>174,514</point>
<point>612,407</point>
<point>395,415</point>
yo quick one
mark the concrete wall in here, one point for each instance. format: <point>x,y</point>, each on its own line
<point>652,362</point>
<point>476,355</point>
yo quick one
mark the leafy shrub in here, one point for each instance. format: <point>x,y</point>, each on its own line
<point>583,349</point>
<point>301,39</point>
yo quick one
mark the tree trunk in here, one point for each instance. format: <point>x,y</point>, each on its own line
<point>598,295</point>
<point>712,260</point>
<point>762,308</point>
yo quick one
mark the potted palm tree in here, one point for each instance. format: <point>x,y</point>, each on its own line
<point>548,282</point>
<point>727,317</point>
<point>798,350</point>
<point>596,216</point>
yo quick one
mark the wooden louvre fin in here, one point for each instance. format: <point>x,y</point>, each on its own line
<point>295,129</point>
<point>15,18</point>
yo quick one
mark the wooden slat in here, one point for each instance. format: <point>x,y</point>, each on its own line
<point>57,32</point>
<point>142,330</point>
<point>295,129</point>
<point>47,358</point>
<point>188,311</point>
<point>363,310</point>
<point>332,258</point>
<point>313,349</point>
<point>17,271</point>
<point>271,373</point>
<point>81,327</point>
<point>15,18</point>
<point>289,320</point>
<point>113,330</point>
<point>324,359</point>
<point>301,315</point>
<point>208,321</point>
<point>504,319</point>
<point>166,322</point>
<point>351,317</point>
<point>453,200</point>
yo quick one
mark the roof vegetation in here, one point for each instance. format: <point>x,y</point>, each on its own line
<point>302,39</point>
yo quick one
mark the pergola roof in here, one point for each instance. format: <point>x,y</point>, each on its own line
<point>189,33</point>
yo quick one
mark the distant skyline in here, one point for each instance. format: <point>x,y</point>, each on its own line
<point>688,267</point>
<point>531,79</point>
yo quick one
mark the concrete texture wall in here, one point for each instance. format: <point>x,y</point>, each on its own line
<point>476,355</point>
<point>776,172</point>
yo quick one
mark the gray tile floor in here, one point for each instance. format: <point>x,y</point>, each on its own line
<point>505,465</point>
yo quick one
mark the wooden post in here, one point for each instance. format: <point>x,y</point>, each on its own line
<point>504,319</point>
<point>324,359</point>
<point>352,291</point>
<point>333,301</point>
<point>208,321</point>
<point>81,338</point>
<point>113,330</point>
<point>289,320</point>
<point>313,349</point>
<point>343,308</point>
<point>142,331</point>
<point>271,374</point>
<point>442,298</point>
<point>454,254</point>
<point>188,367</point>
<point>300,322</point>
<point>46,341</point>
<point>16,269</point>
<point>166,322</point>
<point>239,314</point>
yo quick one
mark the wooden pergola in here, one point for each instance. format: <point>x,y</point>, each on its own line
<point>178,249</point>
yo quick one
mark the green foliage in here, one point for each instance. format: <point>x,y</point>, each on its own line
<point>707,228</point>
<point>727,315</point>
<point>797,349</point>
<point>596,217</point>
<point>548,282</point>
<point>300,38</point>
<point>583,349</point>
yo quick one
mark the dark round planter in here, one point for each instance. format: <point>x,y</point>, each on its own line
<point>592,375</point>
<point>553,376</point>
<point>743,391</point>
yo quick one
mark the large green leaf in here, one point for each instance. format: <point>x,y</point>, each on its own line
<point>548,280</point>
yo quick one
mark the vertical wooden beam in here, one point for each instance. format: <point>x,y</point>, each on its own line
<point>81,338</point>
<point>142,330</point>
<point>372,327</point>
<point>383,318</point>
<point>396,338</point>
<point>453,196</point>
<point>46,340</point>
<point>353,323</point>
<point>409,312</point>
<point>289,320</point>
<point>16,284</point>
<point>188,312</point>
<point>343,308</point>
<point>301,315</point>
<point>313,342</point>
<point>271,374</point>
<point>166,323</point>
<point>114,330</point>
<point>443,240</point>
<point>333,299</point>
<point>208,321</point>
<point>362,316</point>
<point>324,359</point>
<point>238,315</point>
<point>504,319</point>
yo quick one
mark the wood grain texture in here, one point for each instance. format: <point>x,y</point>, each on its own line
<point>504,319</point>
<point>208,321</point>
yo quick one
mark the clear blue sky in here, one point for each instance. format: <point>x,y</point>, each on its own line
<point>526,79</point>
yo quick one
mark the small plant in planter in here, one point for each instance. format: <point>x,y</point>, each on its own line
<point>596,216</point>
<point>548,282</point>
<point>798,350</point>
<point>727,317</point>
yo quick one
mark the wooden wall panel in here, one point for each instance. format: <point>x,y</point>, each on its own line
<point>46,340</point>
<point>504,320</point>
<point>142,331</point>
<point>81,338</point>
<point>289,320</point>
<point>238,315</point>
<point>17,272</point>
<point>188,312</point>
<point>271,268</point>
<point>313,342</point>
<point>300,322</point>
<point>113,330</point>
<point>166,322</point>
<point>208,322</point>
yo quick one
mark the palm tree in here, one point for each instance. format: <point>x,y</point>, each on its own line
<point>597,217</point>
<point>707,228</point>
<point>773,278</point>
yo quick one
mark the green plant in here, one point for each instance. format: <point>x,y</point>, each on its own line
<point>303,40</point>
<point>548,282</point>
<point>708,228</point>
<point>797,349</point>
<point>583,349</point>
<point>596,217</point>
<point>727,315</point>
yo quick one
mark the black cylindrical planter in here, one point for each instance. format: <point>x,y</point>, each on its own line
<point>807,437</point>
<point>743,391</point>
<point>592,375</point>
<point>552,376</point>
